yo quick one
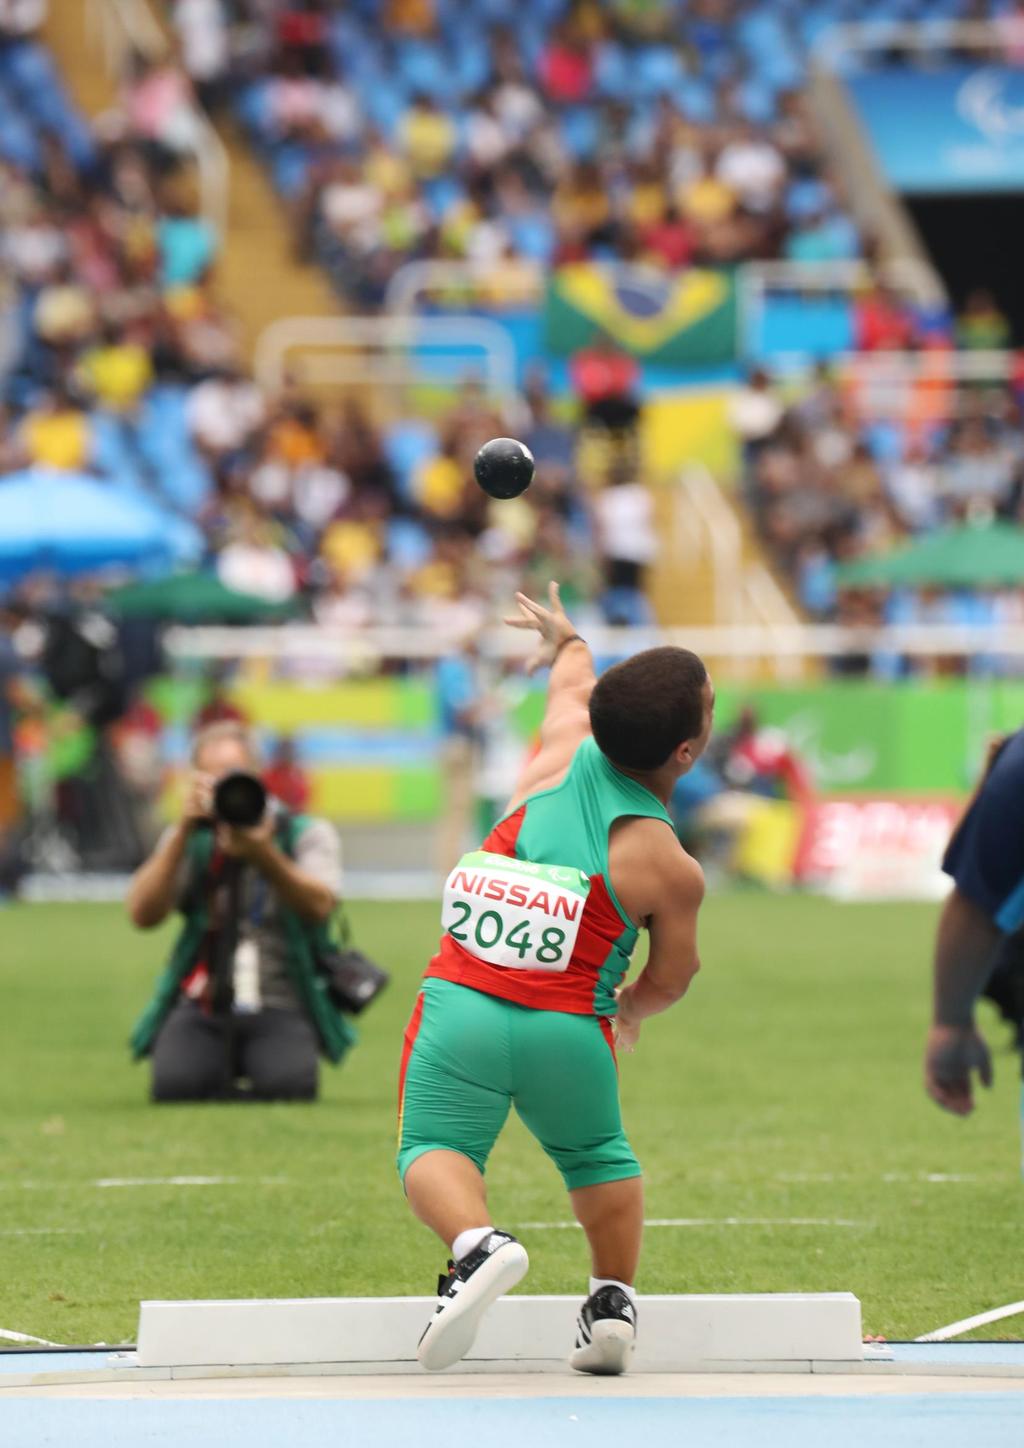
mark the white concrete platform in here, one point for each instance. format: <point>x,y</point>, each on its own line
<point>753,1331</point>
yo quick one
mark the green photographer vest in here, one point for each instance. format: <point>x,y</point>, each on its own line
<point>335,1032</point>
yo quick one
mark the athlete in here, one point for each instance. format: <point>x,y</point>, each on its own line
<point>524,1004</point>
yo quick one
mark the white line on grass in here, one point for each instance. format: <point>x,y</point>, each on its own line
<point>191,1181</point>
<point>10,1336</point>
<point>37,1231</point>
<point>982,1319</point>
<point>710,1222</point>
<point>888,1177</point>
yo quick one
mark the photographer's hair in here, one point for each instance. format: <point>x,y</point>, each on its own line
<point>225,729</point>
<point>642,709</point>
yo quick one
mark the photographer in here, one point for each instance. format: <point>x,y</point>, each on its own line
<point>242,996</point>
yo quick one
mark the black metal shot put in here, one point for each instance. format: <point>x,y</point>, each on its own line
<point>504,467</point>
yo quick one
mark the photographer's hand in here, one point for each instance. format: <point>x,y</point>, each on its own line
<point>298,890</point>
<point>198,802</point>
<point>249,843</point>
<point>155,884</point>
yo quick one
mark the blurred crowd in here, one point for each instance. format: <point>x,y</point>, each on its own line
<point>440,129</point>
<point>858,462</point>
<point>121,363</point>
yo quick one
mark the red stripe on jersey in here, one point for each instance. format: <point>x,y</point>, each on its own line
<point>412,1030</point>
<point>502,839</point>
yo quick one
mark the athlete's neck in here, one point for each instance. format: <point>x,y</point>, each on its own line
<point>659,782</point>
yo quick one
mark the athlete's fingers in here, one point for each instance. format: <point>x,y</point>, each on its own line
<point>555,597</point>
<point>528,606</point>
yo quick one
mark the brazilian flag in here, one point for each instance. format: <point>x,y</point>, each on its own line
<point>681,319</point>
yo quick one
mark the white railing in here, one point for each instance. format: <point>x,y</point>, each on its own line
<point>865,38</point>
<point>129,25</point>
<point>295,643</point>
<point>882,383</point>
<point>705,525</point>
<point>378,351</point>
<point>415,280</point>
<point>906,276</point>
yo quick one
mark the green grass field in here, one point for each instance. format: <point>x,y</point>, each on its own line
<point>785,1089</point>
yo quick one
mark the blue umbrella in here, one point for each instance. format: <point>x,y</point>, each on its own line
<point>72,523</point>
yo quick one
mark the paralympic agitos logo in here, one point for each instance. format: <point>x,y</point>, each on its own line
<point>993,101</point>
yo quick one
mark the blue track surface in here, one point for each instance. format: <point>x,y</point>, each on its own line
<point>983,1420</point>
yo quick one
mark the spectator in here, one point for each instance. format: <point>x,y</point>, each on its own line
<point>224,413</point>
<point>755,412</point>
<point>115,372</point>
<point>252,564</point>
<point>627,538</point>
<point>753,169</point>
<point>981,326</point>
<point>56,433</point>
<point>605,379</point>
<point>427,137</point>
<point>883,322</point>
<point>202,27</point>
<point>285,778</point>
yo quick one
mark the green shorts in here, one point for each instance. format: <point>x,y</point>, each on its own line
<point>469,1057</point>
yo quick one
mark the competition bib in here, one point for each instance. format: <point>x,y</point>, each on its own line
<point>514,913</point>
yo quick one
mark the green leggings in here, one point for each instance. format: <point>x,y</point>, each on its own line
<point>468,1057</point>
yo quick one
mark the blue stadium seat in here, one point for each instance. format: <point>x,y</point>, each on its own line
<point>581,131</point>
<point>289,166</point>
<point>407,445</point>
<point>696,99</point>
<point>655,70</point>
<point>409,544</point>
<point>253,108</point>
<point>612,78</point>
<point>423,70</point>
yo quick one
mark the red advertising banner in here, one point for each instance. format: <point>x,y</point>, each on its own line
<point>877,848</point>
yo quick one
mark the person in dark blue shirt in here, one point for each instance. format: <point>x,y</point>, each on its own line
<point>982,915</point>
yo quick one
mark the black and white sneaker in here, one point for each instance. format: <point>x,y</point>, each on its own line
<point>605,1333</point>
<point>472,1284</point>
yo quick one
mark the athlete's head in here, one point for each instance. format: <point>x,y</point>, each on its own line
<point>652,709</point>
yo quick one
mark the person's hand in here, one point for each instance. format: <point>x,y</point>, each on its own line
<point>951,1055</point>
<point>198,802</point>
<point>552,623</point>
<point>246,843</point>
<point>625,1030</point>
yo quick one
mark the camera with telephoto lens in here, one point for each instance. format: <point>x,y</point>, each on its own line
<point>239,799</point>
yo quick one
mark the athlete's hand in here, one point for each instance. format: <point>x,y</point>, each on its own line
<point>552,623</point>
<point>625,1030</point>
<point>951,1055</point>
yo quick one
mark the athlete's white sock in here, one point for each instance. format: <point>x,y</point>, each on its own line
<point>596,1283</point>
<point>467,1240</point>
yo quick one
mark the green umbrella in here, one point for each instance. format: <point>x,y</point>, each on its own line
<point>971,555</point>
<point>196,598</point>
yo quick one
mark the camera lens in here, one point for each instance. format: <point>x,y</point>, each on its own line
<point>239,799</point>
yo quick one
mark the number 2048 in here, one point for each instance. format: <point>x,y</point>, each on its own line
<point>492,929</point>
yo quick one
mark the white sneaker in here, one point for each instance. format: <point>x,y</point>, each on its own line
<point>605,1333</point>
<point>472,1284</point>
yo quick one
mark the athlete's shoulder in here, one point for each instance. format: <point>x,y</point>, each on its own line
<point>651,868</point>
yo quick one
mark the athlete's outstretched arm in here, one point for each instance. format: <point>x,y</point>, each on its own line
<point>566,716</point>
